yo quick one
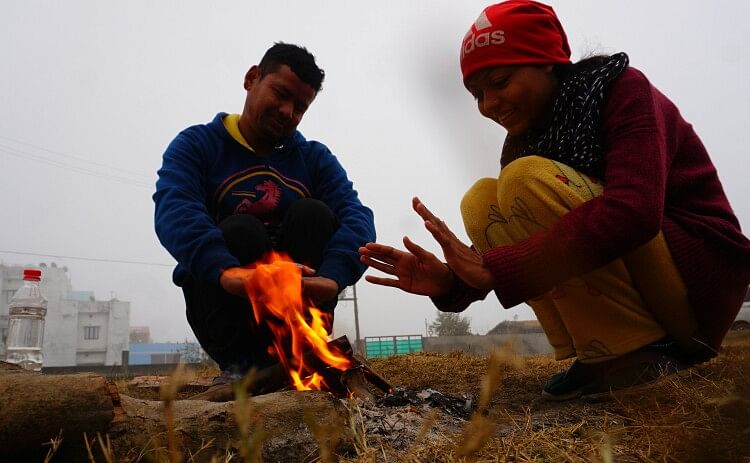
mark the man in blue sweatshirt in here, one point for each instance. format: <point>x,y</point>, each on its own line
<point>230,190</point>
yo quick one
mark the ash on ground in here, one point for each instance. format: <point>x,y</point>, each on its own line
<point>398,418</point>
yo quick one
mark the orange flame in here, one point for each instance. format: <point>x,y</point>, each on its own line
<point>274,288</point>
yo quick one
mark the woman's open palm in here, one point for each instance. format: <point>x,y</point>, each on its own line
<point>416,271</point>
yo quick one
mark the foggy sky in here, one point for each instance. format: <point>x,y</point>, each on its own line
<point>92,92</point>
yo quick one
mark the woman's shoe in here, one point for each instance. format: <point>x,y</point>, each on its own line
<point>594,381</point>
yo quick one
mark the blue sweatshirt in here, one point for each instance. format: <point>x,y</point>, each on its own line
<point>207,176</point>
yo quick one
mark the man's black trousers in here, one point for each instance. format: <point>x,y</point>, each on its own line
<point>223,323</point>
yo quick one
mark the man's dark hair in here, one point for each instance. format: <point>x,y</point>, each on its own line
<point>299,60</point>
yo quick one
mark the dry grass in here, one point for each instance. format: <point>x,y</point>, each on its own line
<point>54,445</point>
<point>699,415</point>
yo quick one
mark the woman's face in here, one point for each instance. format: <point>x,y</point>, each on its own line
<point>517,97</point>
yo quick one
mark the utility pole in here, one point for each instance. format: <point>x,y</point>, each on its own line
<point>356,314</point>
<point>353,298</point>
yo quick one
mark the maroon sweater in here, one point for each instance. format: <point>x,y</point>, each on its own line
<point>658,177</point>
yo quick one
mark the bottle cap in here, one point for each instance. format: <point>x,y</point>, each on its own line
<point>32,274</point>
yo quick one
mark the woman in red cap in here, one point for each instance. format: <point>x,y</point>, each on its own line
<point>607,218</point>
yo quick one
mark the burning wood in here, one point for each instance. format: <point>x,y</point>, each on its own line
<point>354,381</point>
<point>275,292</point>
<point>307,361</point>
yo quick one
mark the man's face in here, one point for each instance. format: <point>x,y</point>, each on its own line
<point>516,97</point>
<point>274,105</point>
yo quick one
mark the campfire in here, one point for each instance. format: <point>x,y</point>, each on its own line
<point>307,359</point>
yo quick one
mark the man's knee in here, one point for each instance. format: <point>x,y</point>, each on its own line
<point>308,225</point>
<point>310,210</point>
<point>246,237</point>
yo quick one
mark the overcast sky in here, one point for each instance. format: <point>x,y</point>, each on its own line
<point>91,92</point>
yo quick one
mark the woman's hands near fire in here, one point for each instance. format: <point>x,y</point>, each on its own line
<point>417,271</point>
<point>421,272</point>
<point>462,259</point>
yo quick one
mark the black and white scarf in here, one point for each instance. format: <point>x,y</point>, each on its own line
<point>573,136</point>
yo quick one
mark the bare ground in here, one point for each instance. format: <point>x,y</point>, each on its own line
<point>701,415</point>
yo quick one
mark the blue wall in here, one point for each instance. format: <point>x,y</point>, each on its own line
<point>140,353</point>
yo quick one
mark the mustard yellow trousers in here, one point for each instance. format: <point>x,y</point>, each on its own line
<point>610,311</point>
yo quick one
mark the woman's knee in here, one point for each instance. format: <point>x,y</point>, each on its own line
<point>479,197</point>
<point>523,172</point>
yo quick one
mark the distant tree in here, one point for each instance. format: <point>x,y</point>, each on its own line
<point>450,324</point>
<point>191,352</point>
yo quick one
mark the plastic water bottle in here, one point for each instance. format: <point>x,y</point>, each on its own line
<point>26,313</point>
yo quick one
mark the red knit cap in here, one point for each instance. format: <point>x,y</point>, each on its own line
<point>514,32</point>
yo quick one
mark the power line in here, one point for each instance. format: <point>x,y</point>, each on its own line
<point>90,259</point>
<point>81,159</point>
<point>34,157</point>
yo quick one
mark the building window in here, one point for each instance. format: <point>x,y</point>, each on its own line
<point>90,332</point>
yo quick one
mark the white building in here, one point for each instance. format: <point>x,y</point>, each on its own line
<point>78,330</point>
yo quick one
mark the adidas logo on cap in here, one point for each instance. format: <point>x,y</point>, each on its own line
<point>479,39</point>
